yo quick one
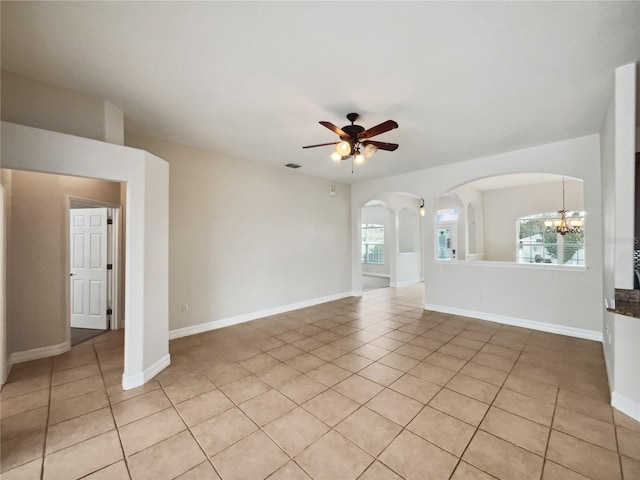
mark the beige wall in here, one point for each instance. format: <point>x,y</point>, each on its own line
<point>245,237</point>
<point>146,342</point>
<point>41,105</point>
<point>37,243</point>
<point>511,292</point>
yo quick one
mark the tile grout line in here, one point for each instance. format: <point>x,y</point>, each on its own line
<point>550,426</point>
<point>383,316</point>
<point>617,452</point>
<point>553,420</point>
<point>615,434</point>
<point>46,427</point>
<point>478,426</point>
<point>375,458</point>
<point>404,428</point>
<point>113,417</point>
<point>193,436</point>
<point>487,411</point>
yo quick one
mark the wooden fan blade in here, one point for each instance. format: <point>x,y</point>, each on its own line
<point>321,145</point>
<point>382,145</point>
<point>335,129</point>
<point>378,129</point>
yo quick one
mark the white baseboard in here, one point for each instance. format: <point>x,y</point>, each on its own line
<point>404,283</point>
<point>247,317</point>
<point>626,405</point>
<point>520,322</point>
<point>121,324</point>
<point>373,274</point>
<point>139,379</point>
<point>38,353</point>
<point>7,371</point>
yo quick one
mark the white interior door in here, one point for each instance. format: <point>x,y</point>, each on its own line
<point>88,242</point>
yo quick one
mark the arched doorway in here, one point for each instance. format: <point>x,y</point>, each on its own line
<point>395,214</point>
<point>377,228</point>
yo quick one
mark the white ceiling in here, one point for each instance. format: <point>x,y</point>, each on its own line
<point>463,80</point>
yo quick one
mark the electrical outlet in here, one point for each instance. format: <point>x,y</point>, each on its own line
<point>185,307</point>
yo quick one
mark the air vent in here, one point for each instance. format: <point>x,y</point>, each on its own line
<point>292,165</point>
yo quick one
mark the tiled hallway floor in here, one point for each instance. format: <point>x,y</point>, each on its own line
<point>372,388</point>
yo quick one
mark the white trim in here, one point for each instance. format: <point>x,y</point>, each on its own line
<point>247,317</point>
<point>405,283</point>
<point>72,203</point>
<point>520,322</point>
<point>7,372</point>
<point>625,405</point>
<point>139,379</point>
<point>115,268</point>
<point>38,353</point>
<point>373,274</point>
<point>5,363</point>
<point>608,368</point>
<point>515,265</point>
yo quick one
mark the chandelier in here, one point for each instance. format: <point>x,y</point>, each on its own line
<point>562,225</point>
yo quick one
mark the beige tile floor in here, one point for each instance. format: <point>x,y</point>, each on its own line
<point>373,388</point>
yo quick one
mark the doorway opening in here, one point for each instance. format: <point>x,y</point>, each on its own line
<point>94,266</point>
<point>376,245</point>
<point>389,232</point>
<point>38,214</point>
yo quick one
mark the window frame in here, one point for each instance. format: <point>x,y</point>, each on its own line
<point>365,255</point>
<point>549,247</point>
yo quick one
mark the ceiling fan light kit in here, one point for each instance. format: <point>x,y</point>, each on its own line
<point>370,150</point>
<point>344,149</point>
<point>354,140</point>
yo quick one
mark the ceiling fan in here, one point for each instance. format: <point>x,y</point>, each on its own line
<point>354,140</point>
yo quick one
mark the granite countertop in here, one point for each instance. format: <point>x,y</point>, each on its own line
<point>630,309</point>
<point>627,303</point>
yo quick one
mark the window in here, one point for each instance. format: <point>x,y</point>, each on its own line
<point>535,245</point>
<point>444,244</point>
<point>446,233</point>
<point>447,215</point>
<point>372,243</point>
